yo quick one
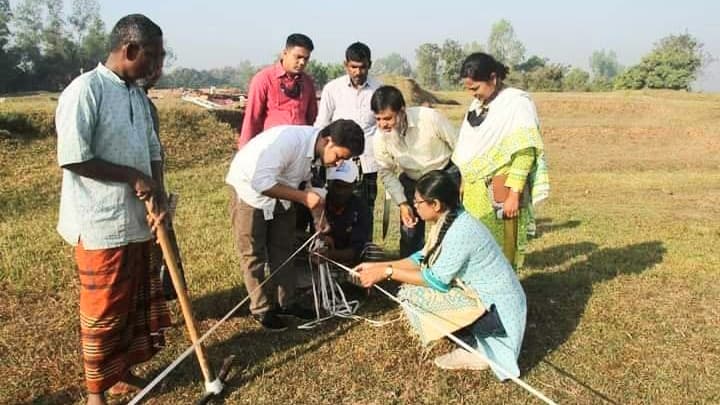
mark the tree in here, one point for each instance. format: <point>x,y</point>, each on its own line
<point>170,56</point>
<point>472,47</point>
<point>504,45</point>
<point>59,65</point>
<point>428,58</point>
<point>88,32</point>
<point>393,64</point>
<point>318,71</point>
<point>547,78</point>
<point>674,63</point>
<point>8,59</point>
<point>5,17</point>
<point>46,51</point>
<point>237,77</point>
<point>604,67</point>
<point>604,64</point>
<point>96,44</point>
<point>633,78</point>
<point>452,56</point>
<point>244,72</point>
<point>532,63</point>
<point>576,80</point>
<point>335,70</point>
<point>28,21</point>
<point>83,12</point>
<point>323,73</point>
<point>49,48</point>
<point>519,76</point>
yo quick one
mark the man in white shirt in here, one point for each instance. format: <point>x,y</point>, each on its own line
<point>409,143</point>
<point>348,97</point>
<point>265,175</point>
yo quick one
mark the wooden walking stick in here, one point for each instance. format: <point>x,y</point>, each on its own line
<point>213,385</point>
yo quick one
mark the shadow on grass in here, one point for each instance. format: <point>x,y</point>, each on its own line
<point>546,225</point>
<point>252,346</point>
<point>557,300</point>
<point>557,255</point>
<point>216,305</point>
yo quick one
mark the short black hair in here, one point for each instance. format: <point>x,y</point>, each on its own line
<point>134,29</point>
<point>479,66</point>
<point>387,97</point>
<point>346,133</point>
<point>358,52</point>
<point>300,40</point>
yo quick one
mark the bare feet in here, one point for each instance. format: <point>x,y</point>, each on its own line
<point>129,383</point>
<point>96,399</point>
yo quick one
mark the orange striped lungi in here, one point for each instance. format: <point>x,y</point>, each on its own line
<point>122,311</point>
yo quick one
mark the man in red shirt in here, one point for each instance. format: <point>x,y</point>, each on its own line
<point>281,94</point>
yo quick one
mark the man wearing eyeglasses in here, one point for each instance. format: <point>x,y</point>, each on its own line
<point>281,94</point>
<point>265,177</point>
<point>409,143</point>
<point>112,163</point>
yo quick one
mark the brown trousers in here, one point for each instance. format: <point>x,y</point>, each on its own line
<point>260,243</point>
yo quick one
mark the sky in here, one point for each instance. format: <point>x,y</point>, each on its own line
<point>215,33</point>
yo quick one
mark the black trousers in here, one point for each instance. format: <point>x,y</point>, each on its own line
<point>366,189</point>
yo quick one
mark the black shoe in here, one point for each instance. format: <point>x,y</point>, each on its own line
<point>270,321</point>
<point>298,312</point>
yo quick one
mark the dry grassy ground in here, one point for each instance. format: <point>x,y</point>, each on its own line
<point>621,282</point>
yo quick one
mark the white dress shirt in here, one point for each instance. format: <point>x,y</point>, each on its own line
<point>280,155</point>
<point>341,100</point>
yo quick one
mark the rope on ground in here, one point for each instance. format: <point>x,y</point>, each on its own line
<point>227,316</point>
<point>452,337</point>
<point>330,296</point>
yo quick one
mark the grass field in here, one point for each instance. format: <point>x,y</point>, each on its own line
<point>622,282</point>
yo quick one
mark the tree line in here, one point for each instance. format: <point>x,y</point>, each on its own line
<point>674,63</point>
<point>44,48</point>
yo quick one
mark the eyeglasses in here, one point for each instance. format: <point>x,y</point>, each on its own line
<point>418,202</point>
<point>293,90</point>
<point>475,119</point>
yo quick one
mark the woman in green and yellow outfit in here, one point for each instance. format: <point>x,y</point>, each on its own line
<point>500,154</point>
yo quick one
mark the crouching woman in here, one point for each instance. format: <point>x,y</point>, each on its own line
<point>459,282</point>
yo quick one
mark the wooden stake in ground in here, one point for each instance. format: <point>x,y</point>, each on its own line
<point>213,386</point>
<point>510,226</point>
<point>387,206</point>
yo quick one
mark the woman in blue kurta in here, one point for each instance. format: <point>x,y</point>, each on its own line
<point>460,281</point>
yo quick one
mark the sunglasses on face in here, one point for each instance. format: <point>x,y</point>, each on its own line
<point>292,90</point>
<point>474,118</point>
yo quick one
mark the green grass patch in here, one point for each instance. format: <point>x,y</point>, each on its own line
<point>621,281</point>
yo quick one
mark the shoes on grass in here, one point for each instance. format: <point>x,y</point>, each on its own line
<point>461,359</point>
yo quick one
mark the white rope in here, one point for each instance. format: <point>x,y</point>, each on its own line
<point>450,336</point>
<point>227,316</point>
<point>332,297</point>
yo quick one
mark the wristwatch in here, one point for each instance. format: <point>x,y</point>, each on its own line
<point>389,272</point>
